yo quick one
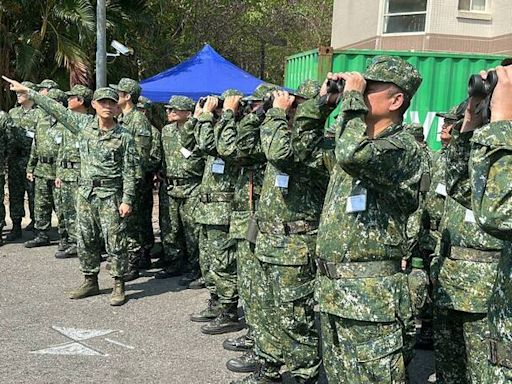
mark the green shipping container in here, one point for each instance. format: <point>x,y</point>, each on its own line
<point>445,78</point>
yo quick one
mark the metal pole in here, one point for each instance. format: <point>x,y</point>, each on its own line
<point>101,44</point>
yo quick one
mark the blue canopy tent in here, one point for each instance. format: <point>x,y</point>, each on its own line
<point>204,74</point>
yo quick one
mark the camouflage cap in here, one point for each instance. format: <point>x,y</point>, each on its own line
<point>181,103</point>
<point>451,114</point>
<point>415,129</point>
<point>231,92</point>
<point>308,89</point>
<point>127,85</point>
<point>394,70</point>
<point>47,84</point>
<point>261,91</point>
<point>105,93</point>
<point>57,94</point>
<point>81,91</point>
<point>143,102</point>
<point>29,85</point>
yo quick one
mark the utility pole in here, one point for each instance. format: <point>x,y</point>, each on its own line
<point>101,44</point>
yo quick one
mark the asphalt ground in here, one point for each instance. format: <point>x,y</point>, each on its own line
<point>47,338</point>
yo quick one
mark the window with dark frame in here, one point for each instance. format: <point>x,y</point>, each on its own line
<point>405,16</point>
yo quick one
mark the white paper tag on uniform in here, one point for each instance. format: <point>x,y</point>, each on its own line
<point>441,190</point>
<point>77,144</point>
<point>185,152</point>
<point>356,203</point>
<point>470,216</point>
<point>58,139</point>
<point>30,134</point>
<point>218,166</point>
<point>282,180</point>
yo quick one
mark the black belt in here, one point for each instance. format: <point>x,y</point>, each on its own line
<point>217,197</point>
<point>70,164</point>
<point>96,183</point>
<point>287,228</point>
<point>46,160</point>
<point>360,269</point>
<point>183,181</point>
<point>500,353</point>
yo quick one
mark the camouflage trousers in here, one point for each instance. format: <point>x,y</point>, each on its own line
<point>147,235</point>
<point>2,205</point>
<point>501,375</point>
<point>285,331</point>
<point>67,209</point>
<point>361,351</point>
<point>97,219</point>
<point>18,185</point>
<point>135,223</point>
<point>250,288</point>
<point>163,209</point>
<point>461,345</point>
<point>217,260</point>
<point>45,201</point>
<point>181,240</point>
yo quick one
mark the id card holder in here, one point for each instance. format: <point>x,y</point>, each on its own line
<point>441,190</point>
<point>356,202</point>
<point>252,230</point>
<point>282,181</point>
<point>469,217</point>
<point>218,166</point>
<point>58,140</point>
<point>29,134</point>
<point>185,152</point>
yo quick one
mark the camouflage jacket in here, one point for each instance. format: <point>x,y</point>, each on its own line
<point>155,154</point>
<point>107,158</point>
<point>372,191</point>
<point>484,185</point>
<point>294,185</point>
<point>24,126</point>
<point>140,128</point>
<point>5,139</point>
<point>183,167</point>
<point>45,147</point>
<point>217,185</point>
<point>436,196</point>
<point>241,144</point>
<point>68,159</point>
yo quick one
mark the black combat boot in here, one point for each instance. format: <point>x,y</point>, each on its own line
<point>15,233</point>
<point>197,284</point>
<point>167,273</point>
<point>40,240</point>
<point>69,252</point>
<point>212,310</point>
<point>63,244</point>
<point>226,322</point>
<point>243,343</point>
<point>248,362</point>
<point>188,278</point>
<point>145,259</point>
<point>132,273</point>
<point>264,374</point>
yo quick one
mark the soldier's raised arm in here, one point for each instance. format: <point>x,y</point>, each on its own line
<point>72,121</point>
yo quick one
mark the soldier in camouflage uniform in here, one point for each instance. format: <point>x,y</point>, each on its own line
<point>154,167</point>
<point>24,118</point>
<point>183,168</point>
<point>484,186</point>
<point>140,128</point>
<point>41,168</point>
<point>463,272</point>
<point>68,170</point>
<point>216,249</point>
<point>241,143</point>
<point>107,186</point>
<point>362,293</point>
<point>287,216</point>
<point>5,145</point>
